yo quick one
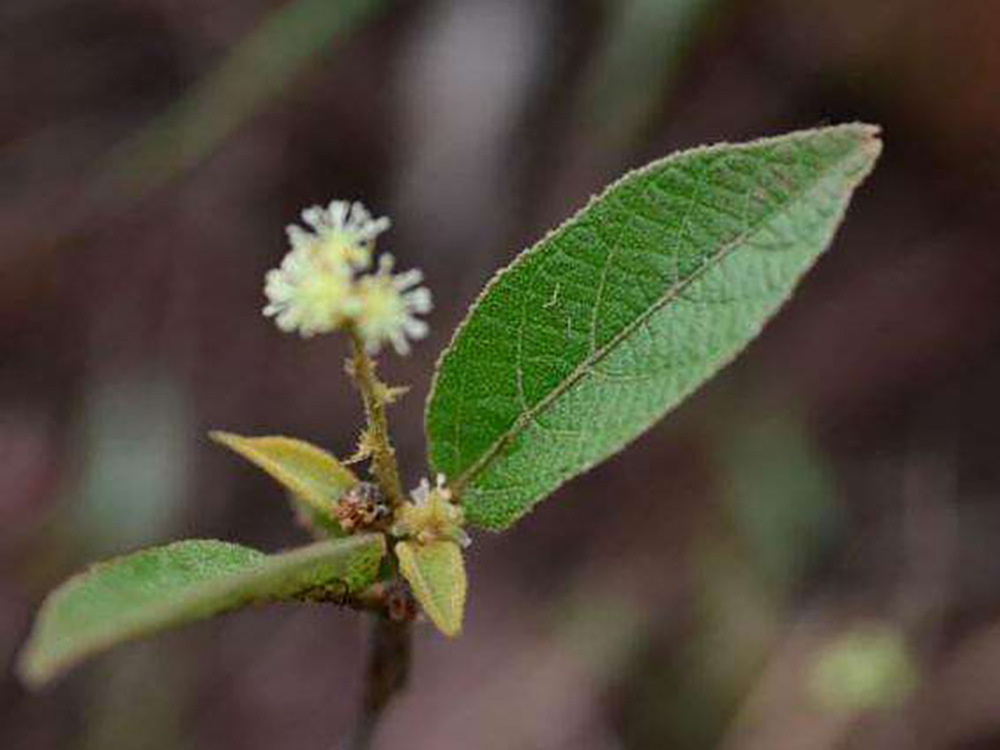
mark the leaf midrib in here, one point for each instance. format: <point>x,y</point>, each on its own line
<point>527,417</point>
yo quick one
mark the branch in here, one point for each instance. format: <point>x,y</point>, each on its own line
<point>387,673</point>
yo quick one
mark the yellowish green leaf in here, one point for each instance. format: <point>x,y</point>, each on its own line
<point>436,574</point>
<point>313,476</point>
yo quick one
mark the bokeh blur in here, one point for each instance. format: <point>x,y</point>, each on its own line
<point>805,555</point>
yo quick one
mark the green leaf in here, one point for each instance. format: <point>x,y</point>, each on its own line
<point>436,574</point>
<point>315,478</point>
<point>144,593</point>
<point>592,335</point>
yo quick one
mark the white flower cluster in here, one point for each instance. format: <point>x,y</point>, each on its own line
<point>432,515</point>
<point>323,284</point>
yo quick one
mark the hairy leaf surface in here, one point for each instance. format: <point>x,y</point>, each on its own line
<point>149,591</point>
<point>315,478</point>
<point>436,574</point>
<point>592,335</point>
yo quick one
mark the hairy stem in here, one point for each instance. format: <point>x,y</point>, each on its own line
<point>389,642</point>
<point>374,393</point>
<point>387,673</point>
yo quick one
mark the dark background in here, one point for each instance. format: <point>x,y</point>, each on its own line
<point>842,478</point>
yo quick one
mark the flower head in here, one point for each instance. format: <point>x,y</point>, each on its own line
<point>309,293</point>
<point>388,306</point>
<point>431,516</point>
<point>318,288</point>
<point>342,230</point>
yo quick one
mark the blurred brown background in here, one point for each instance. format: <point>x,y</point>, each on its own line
<point>806,555</point>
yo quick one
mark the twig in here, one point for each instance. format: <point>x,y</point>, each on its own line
<point>374,394</point>
<point>387,673</point>
<point>389,643</point>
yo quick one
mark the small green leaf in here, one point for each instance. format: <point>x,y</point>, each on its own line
<point>144,593</point>
<point>436,574</point>
<point>592,335</point>
<point>315,478</point>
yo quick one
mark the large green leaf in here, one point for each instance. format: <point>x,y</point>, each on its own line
<point>149,591</point>
<point>597,331</point>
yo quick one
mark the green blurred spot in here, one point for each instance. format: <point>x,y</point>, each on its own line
<point>644,45</point>
<point>868,668</point>
<point>780,495</point>
<point>255,71</point>
<point>135,448</point>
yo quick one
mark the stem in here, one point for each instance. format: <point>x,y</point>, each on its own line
<point>373,393</point>
<point>389,642</point>
<point>387,674</point>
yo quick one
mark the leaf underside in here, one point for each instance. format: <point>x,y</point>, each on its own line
<point>436,574</point>
<point>314,478</point>
<point>592,335</point>
<point>144,593</point>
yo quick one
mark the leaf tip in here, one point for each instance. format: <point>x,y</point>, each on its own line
<point>870,136</point>
<point>867,129</point>
<point>223,438</point>
<point>868,146</point>
<point>30,670</point>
